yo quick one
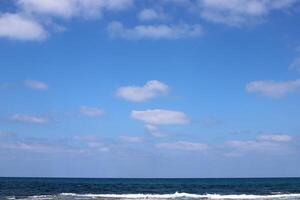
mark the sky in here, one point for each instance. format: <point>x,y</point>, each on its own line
<point>153,88</point>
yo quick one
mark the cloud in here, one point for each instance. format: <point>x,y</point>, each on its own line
<point>240,12</point>
<point>131,139</point>
<point>163,31</point>
<point>150,15</point>
<point>26,23</point>
<point>19,27</point>
<point>211,121</point>
<point>161,117</point>
<point>7,134</point>
<point>38,146</point>
<point>72,8</point>
<point>264,143</point>
<point>275,138</point>
<point>149,91</point>
<point>183,145</point>
<point>295,65</point>
<point>36,85</point>
<point>93,144</point>
<point>272,88</point>
<point>154,131</point>
<point>252,145</point>
<point>91,111</point>
<point>28,119</point>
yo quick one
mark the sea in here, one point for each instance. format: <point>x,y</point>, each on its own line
<point>150,189</point>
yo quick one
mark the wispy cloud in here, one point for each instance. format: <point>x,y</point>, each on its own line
<point>162,31</point>
<point>275,138</point>
<point>36,85</point>
<point>19,27</point>
<point>161,117</point>
<point>131,139</point>
<point>7,134</point>
<point>91,111</point>
<point>28,119</point>
<point>93,143</point>
<point>295,65</point>
<point>272,88</point>
<point>211,121</point>
<point>44,147</point>
<point>149,91</point>
<point>151,14</point>
<point>184,145</point>
<point>153,119</point>
<point>273,143</point>
<point>72,8</point>
<point>155,131</point>
<point>240,12</point>
<point>31,18</point>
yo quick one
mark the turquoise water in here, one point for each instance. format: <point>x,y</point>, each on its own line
<point>69,189</point>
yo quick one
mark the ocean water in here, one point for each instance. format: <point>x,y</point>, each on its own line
<point>151,189</point>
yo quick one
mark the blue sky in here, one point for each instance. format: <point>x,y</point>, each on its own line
<point>170,88</point>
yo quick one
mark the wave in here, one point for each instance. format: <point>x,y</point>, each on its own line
<point>176,195</point>
<point>185,195</point>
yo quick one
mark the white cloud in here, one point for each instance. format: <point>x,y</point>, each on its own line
<point>25,146</point>
<point>19,27</point>
<point>238,12</point>
<point>91,111</point>
<point>149,91</point>
<point>275,138</point>
<point>28,119</point>
<point>211,121</point>
<point>36,85</point>
<point>72,8</point>
<point>295,65</point>
<point>93,143</point>
<point>150,14</point>
<point>160,117</point>
<point>39,146</point>
<point>163,31</point>
<point>272,88</point>
<point>154,131</point>
<point>252,145</point>
<point>131,139</point>
<point>7,134</point>
<point>263,143</point>
<point>183,145</point>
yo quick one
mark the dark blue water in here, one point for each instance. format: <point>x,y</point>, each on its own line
<point>54,188</point>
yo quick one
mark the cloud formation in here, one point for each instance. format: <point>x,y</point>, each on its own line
<point>72,8</point>
<point>240,12</point>
<point>118,30</point>
<point>131,139</point>
<point>19,27</point>
<point>272,88</point>
<point>295,65</point>
<point>151,14</point>
<point>273,143</point>
<point>149,91</point>
<point>28,119</point>
<point>36,85</point>
<point>183,145</point>
<point>7,134</point>
<point>275,138</point>
<point>161,117</point>
<point>154,131</point>
<point>31,18</point>
<point>92,144</point>
<point>91,111</point>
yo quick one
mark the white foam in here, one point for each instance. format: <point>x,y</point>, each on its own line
<point>184,195</point>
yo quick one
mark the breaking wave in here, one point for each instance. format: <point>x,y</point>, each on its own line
<point>185,196</point>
